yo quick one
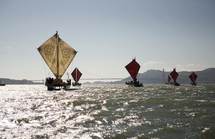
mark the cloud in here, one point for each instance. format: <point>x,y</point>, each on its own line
<point>195,65</point>
<point>151,63</point>
<point>6,49</point>
<point>179,66</point>
<point>190,67</point>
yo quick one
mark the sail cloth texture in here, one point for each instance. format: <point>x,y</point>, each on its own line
<point>169,78</point>
<point>193,77</point>
<point>76,74</point>
<point>48,51</point>
<point>174,75</point>
<point>133,68</point>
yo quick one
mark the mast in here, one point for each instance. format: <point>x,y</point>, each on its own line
<point>135,69</point>
<point>169,78</point>
<point>57,56</point>
<point>76,75</point>
<point>193,78</point>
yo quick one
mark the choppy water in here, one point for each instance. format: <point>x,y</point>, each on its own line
<point>108,111</point>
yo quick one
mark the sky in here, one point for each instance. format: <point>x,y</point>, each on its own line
<point>160,34</point>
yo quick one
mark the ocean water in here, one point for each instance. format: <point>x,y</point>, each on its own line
<point>108,111</point>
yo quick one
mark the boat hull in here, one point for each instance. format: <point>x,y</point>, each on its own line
<point>193,84</point>
<point>53,84</point>
<point>134,84</point>
<point>2,83</point>
<point>175,84</point>
<point>76,84</point>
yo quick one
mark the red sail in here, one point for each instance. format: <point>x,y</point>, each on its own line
<point>193,77</point>
<point>76,74</point>
<point>174,75</point>
<point>133,68</point>
<point>169,78</point>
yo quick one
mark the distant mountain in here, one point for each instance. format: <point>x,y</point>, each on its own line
<point>12,81</point>
<point>206,76</point>
<point>86,83</point>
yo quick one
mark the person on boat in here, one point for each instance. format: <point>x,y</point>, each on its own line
<point>49,80</point>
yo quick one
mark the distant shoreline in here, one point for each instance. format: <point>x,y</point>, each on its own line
<point>206,76</point>
<point>13,81</point>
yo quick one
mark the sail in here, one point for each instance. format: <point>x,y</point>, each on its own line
<point>174,75</point>
<point>169,78</point>
<point>193,77</point>
<point>76,74</point>
<point>133,68</point>
<point>57,55</point>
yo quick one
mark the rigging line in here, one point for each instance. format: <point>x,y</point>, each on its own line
<point>47,74</point>
<point>71,65</point>
<point>93,74</point>
<point>43,66</point>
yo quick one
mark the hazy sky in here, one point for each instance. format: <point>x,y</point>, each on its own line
<point>107,34</point>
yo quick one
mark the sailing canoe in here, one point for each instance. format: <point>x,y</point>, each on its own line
<point>76,75</point>
<point>58,55</point>
<point>133,68</point>
<point>193,78</point>
<point>174,76</point>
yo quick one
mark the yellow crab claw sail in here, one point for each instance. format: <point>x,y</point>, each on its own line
<point>57,54</point>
